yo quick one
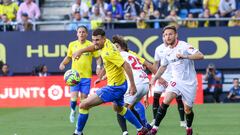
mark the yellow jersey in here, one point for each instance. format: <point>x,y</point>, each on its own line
<point>84,64</point>
<point>212,5</point>
<point>141,59</point>
<point>9,10</point>
<point>233,23</point>
<point>113,62</point>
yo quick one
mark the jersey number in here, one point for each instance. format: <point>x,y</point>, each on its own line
<point>173,84</point>
<point>136,63</point>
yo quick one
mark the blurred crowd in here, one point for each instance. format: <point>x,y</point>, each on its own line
<point>18,15</point>
<point>142,13</point>
<point>40,70</point>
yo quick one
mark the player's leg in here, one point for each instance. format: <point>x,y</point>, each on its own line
<point>158,90</point>
<point>139,107</point>
<point>122,121</point>
<point>84,107</point>
<point>85,84</point>
<point>181,111</point>
<point>119,92</point>
<point>74,90</point>
<point>127,114</point>
<point>155,106</point>
<point>189,118</point>
<point>129,101</point>
<point>169,96</point>
<point>188,93</point>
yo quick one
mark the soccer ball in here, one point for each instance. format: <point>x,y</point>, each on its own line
<point>71,77</point>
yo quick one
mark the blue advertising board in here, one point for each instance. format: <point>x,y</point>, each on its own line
<point>24,50</point>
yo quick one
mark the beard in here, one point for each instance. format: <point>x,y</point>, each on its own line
<point>171,43</point>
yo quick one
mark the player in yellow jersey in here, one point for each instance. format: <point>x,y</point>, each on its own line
<point>83,66</point>
<point>116,82</point>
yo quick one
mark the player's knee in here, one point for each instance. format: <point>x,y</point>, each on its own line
<point>129,106</point>
<point>187,110</point>
<point>115,108</point>
<point>84,105</point>
<point>74,97</point>
<point>118,109</point>
<point>83,96</point>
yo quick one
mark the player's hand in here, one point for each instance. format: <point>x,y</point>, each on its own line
<point>77,55</point>
<point>181,56</point>
<point>61,66</point>
<point>146,103</point>
<point>162,82</point>
<point>132,90</point>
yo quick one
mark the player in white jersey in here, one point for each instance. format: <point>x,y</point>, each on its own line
<point>141,81</point>
<point>160,85</point>
<point>179,55</point>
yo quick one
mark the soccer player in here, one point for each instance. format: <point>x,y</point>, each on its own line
<point>179,55</point>
<point>82,65</point>
<point>160,85</point>
<point>141,81</point>
<point>116,82</point>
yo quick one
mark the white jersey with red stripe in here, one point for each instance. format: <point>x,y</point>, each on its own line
<point>182,69</point>
<point>184,80</point>
<point>137,68</point>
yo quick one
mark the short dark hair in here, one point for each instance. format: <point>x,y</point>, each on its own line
<point>5,65</point>
<point>84,27</point>
<point>172,27</point>
<point>119,39</point>
<point>235,79</point>
<point>99,32</point>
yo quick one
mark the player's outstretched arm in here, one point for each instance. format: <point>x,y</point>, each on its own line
<point>129,73</point>
<point>78,53</point>
<point>160,71</point>
<point>65,61</point>
<point>196,56</point>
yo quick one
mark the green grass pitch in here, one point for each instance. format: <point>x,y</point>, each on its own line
<point>210,119</point>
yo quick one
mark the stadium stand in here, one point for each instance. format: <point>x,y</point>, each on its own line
<point>56,14</point>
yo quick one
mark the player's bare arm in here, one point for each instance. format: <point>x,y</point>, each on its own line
<point>155,66</point>
<point>196,56</point>
<point>99,63</point>
<point>129,73</point>
<point>78,53</point>
<point>146,100</point>
<point>150,66</point>
<point>65,61</point>
<point>160,71</point>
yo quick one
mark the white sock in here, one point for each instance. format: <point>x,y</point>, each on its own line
<point>139,129</point>
<point>153,122</point>
<point>72,110</point>
<point>77,132</point>
<point>155,127</point>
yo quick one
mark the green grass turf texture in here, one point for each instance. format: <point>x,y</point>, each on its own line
<point>210,119</point>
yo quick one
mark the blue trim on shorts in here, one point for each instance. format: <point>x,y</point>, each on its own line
<point>83,86</point>
<point>113,94</point>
